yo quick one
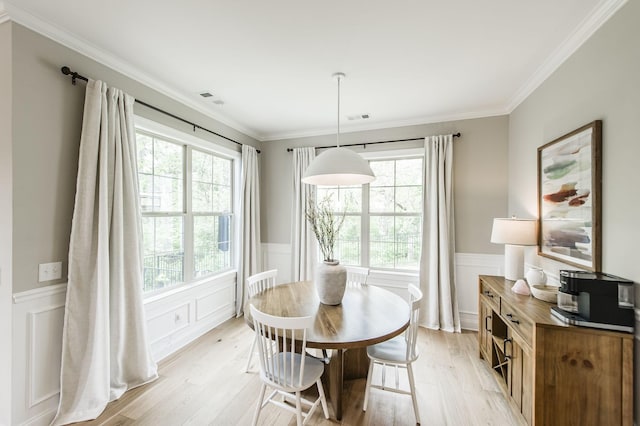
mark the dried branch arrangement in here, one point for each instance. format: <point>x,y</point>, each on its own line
<point>325,225</point>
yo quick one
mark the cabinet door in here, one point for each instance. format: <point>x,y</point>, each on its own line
<point>514,353</point>
<point>582,370</point>
<point>527,386</point>
<point>520,380</point>
<point>484,326</point>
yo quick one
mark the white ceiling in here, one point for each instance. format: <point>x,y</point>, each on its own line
<point>407,62</point>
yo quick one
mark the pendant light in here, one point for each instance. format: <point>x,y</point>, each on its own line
<point>338,166</point>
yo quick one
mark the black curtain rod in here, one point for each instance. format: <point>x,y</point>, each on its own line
<point>364,144</point>
<point>75,76</point>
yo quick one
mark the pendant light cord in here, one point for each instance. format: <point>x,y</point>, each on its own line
<point>338,135</point>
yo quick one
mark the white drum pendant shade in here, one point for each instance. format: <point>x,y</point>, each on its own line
<point>338,166</point>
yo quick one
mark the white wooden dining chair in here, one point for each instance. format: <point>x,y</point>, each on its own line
<point>284,365</point>
<point>399,352</point>
<point>258,283</point>
<point>356,275</point>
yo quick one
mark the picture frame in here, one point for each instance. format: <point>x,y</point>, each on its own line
<point>569,198</point>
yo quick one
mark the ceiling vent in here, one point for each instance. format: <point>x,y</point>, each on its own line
<point>211,98</point>
<point>357,117</point>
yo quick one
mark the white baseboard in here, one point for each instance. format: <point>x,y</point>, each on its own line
<point>469,320</point>
<point>43,419</point>
<point>174,319</point>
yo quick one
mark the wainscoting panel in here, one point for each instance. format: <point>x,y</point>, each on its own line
<point>277,256</point>
<point>165,324</point>
<point>46,326</point>
<point>38,317</point>
<point>468,267</point>
<point>214,302</point>
<point>395,282</point>
<point>177,318</point>
<point>174,319</point>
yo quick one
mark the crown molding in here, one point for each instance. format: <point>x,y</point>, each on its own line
<point>112,61</point>
<point>4,15</point>
<point>582,33</point>
<point>601,14</point>
<point>386,124</point>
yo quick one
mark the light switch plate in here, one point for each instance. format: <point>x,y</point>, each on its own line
<point>49,271</point>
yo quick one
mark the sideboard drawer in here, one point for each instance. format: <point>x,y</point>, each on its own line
<point>490,296</point>
<point>522,325</point>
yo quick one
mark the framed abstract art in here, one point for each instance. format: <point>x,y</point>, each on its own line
<point>569,206</point>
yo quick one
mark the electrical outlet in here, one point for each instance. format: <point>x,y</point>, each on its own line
<point>49,271</point>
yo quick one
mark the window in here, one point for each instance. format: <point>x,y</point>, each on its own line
<point>186,197</point>
<point>395,212</point>
<point>347,199</point>
<point>382,227</point>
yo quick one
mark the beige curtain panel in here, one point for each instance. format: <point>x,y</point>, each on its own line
<point>250,261</point>
<point>303,241</point>
<point>439,307</point>
<point>104,346</point>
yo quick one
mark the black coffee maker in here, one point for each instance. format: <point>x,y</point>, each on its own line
<point>595,299</point>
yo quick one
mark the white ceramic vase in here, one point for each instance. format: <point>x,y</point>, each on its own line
<point>536,276</point>
<point>330,280</point>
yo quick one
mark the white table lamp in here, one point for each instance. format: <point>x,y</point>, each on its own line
<point>514,234</point>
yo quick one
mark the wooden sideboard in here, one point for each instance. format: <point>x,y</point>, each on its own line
<point>550,372</point>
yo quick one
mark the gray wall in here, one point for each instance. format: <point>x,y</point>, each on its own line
<point>47,120</point>
<point>600,81</point>
<point>5,222</point>
<point>480,176</point>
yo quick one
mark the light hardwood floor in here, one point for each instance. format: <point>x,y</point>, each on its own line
<point>205,384</point>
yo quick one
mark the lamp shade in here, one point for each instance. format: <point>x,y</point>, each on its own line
<point>338,166</point>
<point>520,232</point>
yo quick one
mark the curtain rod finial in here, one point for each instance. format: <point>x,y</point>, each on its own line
<point>67,71</point>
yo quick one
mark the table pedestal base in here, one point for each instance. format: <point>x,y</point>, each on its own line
<point>343,365</point>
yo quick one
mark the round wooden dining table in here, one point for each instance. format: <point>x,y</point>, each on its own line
<point>366,316</point>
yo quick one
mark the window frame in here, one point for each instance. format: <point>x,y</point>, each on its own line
<point>189,142</point>
<point>365,213</point>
